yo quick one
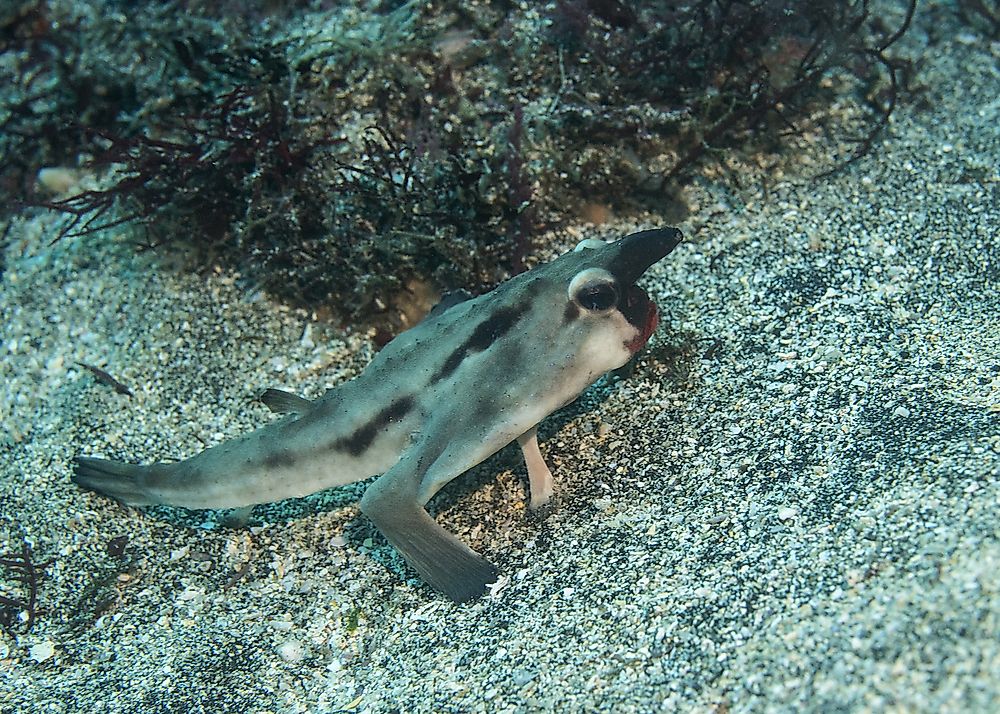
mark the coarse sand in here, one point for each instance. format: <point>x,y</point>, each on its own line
<point>790,504</point>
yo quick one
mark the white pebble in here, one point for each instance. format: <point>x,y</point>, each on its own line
<point>787,513</point>
<point>901,412</point>
<point>190,593</point>
<point>520,677</point>
<point>306,340</point>
<point>57,179</point>
<point>291,651</point>
<point>832,354</point>
<point>42,652</point>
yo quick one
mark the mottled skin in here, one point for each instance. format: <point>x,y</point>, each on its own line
<point>436,401</point>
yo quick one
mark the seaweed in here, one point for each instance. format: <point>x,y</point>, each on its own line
<point>41,89</point>
<point>200,172</point>
<point>405,216</point>
<point>65,88</point>
<point>28,574</point>
<point>366,162</point>
<point>717,74</point>
<point>256,170</point>
<point>896,70</point>
<point>520,192</point>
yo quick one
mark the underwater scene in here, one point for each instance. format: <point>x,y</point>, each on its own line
<point>570,356</point>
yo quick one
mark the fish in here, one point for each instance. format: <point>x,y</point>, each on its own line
<point>477,374</point>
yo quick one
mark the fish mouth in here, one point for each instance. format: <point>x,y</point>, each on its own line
<point>641,313</point>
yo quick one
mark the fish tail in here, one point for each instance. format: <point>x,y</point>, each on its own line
<point>125,483</point>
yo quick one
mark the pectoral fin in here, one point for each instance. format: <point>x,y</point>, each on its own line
<point>395,503</point>
<point>441,559</point>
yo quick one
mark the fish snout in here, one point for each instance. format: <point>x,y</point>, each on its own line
<point>634,254</point>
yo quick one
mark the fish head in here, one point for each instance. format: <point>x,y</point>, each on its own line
<point>542,337</point>
<point>595,309</point>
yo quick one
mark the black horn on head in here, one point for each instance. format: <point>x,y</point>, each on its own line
<point>634,253</point>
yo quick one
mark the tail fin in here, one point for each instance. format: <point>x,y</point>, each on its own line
<point>122,482</point>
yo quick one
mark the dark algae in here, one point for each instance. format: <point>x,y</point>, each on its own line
<point>25,575</point>
<point>361,167</point>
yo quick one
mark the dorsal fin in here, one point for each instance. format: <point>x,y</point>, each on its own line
<point>282,402</point>
<point>448,300</point>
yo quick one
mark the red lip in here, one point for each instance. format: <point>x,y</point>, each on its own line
<point>640,311</point>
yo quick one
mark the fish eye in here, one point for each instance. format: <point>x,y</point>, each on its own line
<point>599,297</point>
<point>594,290</point>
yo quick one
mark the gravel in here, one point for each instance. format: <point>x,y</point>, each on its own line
<point>789,505</point>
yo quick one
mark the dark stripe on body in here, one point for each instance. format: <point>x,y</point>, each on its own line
<point>363,437</point>
<point>485,334</point>
<point>280,459</point>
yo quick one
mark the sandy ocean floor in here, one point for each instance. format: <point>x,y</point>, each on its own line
<point>790,504</point>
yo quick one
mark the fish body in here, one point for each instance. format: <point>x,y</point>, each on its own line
<point>437,400</point>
